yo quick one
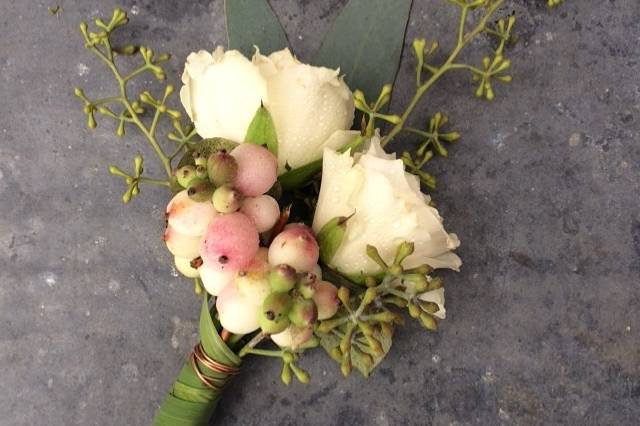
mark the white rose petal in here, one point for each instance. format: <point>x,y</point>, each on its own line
<point>388,208</point>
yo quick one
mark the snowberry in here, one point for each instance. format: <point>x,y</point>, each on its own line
<point>263,210</point>
<point>222,168</point>
<point>181,245</point>
<point>215,279</point>
<point>230,242</point>
<point>237,314</point>
<point>326,298</point>
<point>257,169</point>
<point>183,265</point>
<point>295,246</point>
<point>187,216</point>
<point>253,281</point>
<point>226,199</point>
<point>292,337</point>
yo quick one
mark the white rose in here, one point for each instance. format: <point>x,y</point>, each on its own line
<point>388,208</point>
<point>311,107</point>
<point>221,93</point>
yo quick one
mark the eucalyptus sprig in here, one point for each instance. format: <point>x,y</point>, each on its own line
<point>360,334</point>
<point>128,111</point>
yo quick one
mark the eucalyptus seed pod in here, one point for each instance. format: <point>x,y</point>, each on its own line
<point>185,175</point>
<point>303,313</point>
<point>428,322</point>
<point>301,375</point>
<point>222,168</point>
<point>226,199</point>
<point>414,310</point>
<point>273,314</point>
<point>286,375</point>
<point>282,278</point>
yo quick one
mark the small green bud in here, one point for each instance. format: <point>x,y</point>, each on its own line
<point>343,295</point>
<point>301,375</point>
<point>429,307</point>
<point>404,250</point>
<point>428,322</point>
<point>435,284</point>
<point>303,313</point>
<point>185,175</point>
<point>285,375</point>
<point>222,168</point>
<point>273,315</point>
<point>416,283</point>
<point>282,278</point>
<point>414,310</point>
<point>419,45</point>
<point>120,129</point>
<point>372,252</point>
<point>369,295</point>
<point>226,199</point>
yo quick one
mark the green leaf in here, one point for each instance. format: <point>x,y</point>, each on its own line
<point>297,178</point>
<point>366,42</point>
<point>252,23</point>
<point>330,237</point>
<point>262,131</point>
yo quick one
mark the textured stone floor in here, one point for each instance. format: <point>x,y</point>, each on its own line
<point>543,190</point>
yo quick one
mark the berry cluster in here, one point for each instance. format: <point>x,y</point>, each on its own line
<point>214,229</point>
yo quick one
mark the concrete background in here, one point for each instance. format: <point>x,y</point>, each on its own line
<point>544,319</point>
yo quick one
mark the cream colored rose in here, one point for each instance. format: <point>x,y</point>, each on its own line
<point>388,208</point>
<point>221,93</point>
<point>311,107</point>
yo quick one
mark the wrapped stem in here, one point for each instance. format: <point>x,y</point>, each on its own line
<point>195,393</point>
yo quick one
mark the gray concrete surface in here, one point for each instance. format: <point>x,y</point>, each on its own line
<point>544,319</point>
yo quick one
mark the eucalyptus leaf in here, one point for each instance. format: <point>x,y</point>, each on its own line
<point>366,43</point>
<point>262,131</point>
<point>252,23</point>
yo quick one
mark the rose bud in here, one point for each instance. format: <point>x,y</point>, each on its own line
<point>183,265</point>
<point>181,245</point>
<point>303,312</point>
<point>282,278</point>
<point>230,242</point>
<point>237,314</point>
<point>222,168</point>
<point>215,279</point>
<point>306,284</point>
<point>263,210</point>
<point>273,315</point>
<point>292,337</point>
<point>257,169</point>
<point>295,246</point>
<point>187,216</point>
<point>326,299</point>
<point>226,199</point>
